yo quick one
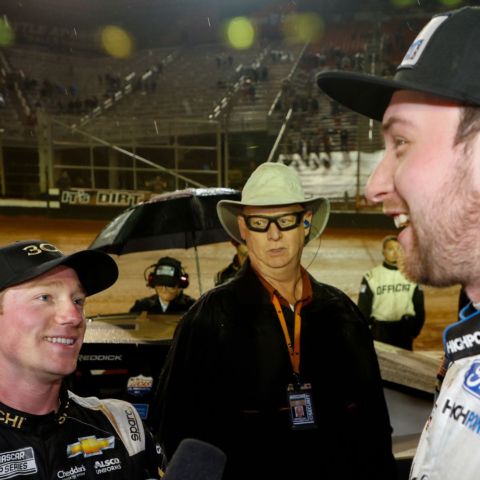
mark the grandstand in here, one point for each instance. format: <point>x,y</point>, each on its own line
<point>184,104</point>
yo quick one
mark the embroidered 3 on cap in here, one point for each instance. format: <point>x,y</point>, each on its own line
<point>28,259</point>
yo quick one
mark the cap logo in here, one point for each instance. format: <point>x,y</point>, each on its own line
<point>419,44</point>
<point>166,270</point>
<point>37,249</point>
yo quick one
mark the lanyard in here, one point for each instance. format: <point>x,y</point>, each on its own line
<point>294,350</point>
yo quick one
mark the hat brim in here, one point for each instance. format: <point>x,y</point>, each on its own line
<point>96,271</point>
<point>228,211</point>
<point>165,280</point>
<point>370,95</point>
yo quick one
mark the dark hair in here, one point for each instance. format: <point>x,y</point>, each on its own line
<point>2,294</point>
<point>389,238</point>
<point>469,124</point>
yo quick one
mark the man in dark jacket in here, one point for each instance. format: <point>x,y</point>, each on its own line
<point>235,265</point>
<point>273,367</point>
<point>168,279</point>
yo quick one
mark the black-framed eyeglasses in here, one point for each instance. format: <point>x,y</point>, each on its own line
<point>285,221</point>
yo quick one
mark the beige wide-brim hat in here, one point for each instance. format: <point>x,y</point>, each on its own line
<point>273,185</point>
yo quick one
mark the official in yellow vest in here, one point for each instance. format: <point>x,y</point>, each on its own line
<point>393,304</point>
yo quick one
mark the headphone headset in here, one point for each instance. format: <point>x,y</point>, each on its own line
<point>306,223</point>
<point>183,281</point>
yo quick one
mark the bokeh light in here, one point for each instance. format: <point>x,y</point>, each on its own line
<point>7,35</point>
<point>402,3</point>
<point>451,3</point>
<point>303,27</point>
<point>240,33</point>
<point>117,42</point>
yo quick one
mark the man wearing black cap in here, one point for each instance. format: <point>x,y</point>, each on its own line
<point>168,278</point>
<point>274,368</point>
<point>429,183</point>
<point>47,431</point>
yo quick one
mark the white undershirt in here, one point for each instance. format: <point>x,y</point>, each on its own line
<point>163,304</point>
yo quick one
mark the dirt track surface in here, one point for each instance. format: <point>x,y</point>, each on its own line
<point>339,258</point>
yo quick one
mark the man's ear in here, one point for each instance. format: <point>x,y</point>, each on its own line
<point>307,222</point>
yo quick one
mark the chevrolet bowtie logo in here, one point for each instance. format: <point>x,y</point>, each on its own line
<point>90,446</point>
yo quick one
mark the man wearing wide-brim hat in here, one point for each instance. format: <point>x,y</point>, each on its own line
<point>273,367</point>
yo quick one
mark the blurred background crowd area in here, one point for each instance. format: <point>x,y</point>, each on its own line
<point>143,95</point>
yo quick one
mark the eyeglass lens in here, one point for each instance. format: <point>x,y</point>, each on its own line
<point>261,223</point>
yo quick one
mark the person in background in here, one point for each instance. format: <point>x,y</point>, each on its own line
<point>393,304</point>
<point>274,368</point>
<point>428,181</point>
<point>231,270</point>
<point>157,184</point>
<point>46,431</point>
<point>64,182</point>
<point>168,279</point>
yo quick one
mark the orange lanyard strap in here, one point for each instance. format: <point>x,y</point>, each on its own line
<point>294,350</point>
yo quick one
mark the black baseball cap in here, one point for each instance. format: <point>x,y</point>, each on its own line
<point>443,61</point>
<point>167,272</point>
<point>25,260</point>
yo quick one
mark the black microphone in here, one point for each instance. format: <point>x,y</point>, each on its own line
<point>196,460</point>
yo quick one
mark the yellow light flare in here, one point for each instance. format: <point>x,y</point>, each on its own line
<point>7,35</point>
<point>450,3</point>
<point>240,33</point>
<point>402,3</point>
<point>116,41</point>
<point>303,27</point>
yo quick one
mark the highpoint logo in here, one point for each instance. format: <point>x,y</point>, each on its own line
<point>463,342</point>
<point>462,415</point>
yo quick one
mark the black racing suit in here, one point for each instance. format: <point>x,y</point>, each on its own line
<point>87,439</point>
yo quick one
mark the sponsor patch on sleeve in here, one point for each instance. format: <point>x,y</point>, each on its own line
<point>17,462</point>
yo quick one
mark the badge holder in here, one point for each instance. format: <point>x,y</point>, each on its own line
<point>299,396</point>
